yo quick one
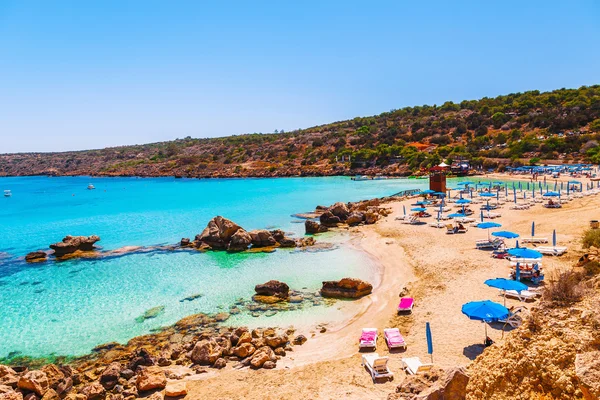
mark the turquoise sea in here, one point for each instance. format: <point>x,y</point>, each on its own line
<point>67,308</point>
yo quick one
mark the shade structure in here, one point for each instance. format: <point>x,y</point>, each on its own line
<point>487,194</point>
<point>554,238</point>
<point>404,209</point>
<point>463,201</point>
<point>457,215</point>
<point>486,311</point>
<point>488,225</point>
<point>465,183</point>
<point>428,191</point>
<point>422,202</point>
<point>506,234</point>
<point>533,229</point>
<point>551,194</point>
<point>506,284</point>
<point>418,209</point>
<point>439,194</point>
<point>524,252</point>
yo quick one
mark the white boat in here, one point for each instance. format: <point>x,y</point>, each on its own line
<point>91,187</point>
<point>361,178</point>
<point>7,193</point>
<point>379,177</point>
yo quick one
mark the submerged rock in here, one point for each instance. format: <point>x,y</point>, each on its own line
<point>151,313</point>
<point>71,244</point>
<point>348,288</point>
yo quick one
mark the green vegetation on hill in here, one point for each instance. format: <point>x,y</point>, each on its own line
<point>562,125</point>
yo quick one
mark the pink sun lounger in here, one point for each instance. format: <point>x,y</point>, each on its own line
<point>368,338</point>
<point>394,339</point>
<point>406,304</point>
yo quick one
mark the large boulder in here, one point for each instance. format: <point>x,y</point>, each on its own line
<point>110,375</point>
<point>339,210</point>
<point>151,378</point>
<point>312,227</point>
<point>218,232</point>
<point>36,256</point>
<point>175,389</point>
<point>587,369</point>
<point>355,218</point>
<point>273,288</point>
<point>452,387</point>
<point>54,374</point>
<point>261,356</point>
<point>93,391</point>
<point>34,381</point>
<point>244,350</point>
<point>71,244</point>
<point>328,219</point>
<point>206,352</point>
<point>8,376</point>
<point>240,241</point>
<point>347,288</point>
<point>262,238</point>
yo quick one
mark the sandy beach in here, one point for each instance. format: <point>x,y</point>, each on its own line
<point>441,272</point>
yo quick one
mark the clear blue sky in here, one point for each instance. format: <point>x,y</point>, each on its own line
<point>89,74</point>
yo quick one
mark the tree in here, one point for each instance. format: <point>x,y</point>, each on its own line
<point>595,125</point>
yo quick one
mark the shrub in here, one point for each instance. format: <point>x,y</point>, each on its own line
<point>591,237</point>
<point>565,288</point>
<point>592,268</point>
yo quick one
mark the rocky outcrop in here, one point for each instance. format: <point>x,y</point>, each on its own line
<point>271,292</point>
<point>71,244</point>
<point>355,218</point>
<point>36,256</point>
<point>329,220</point>
<point>151,378</point>
<point>347,288</point>
<point>240,241</point>
<point>437,384</point>
<point>313,227</point>
<point>367,212</point>
<point>262,238</point>
<point>218,233</point>
<point>206,352</point>
<point>34,381</point>
<point>587,370</point>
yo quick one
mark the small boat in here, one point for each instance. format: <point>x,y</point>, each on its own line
<point>91,187</point>
<point>361,178</point>
<point>379,177</point>
<point>7,193</point>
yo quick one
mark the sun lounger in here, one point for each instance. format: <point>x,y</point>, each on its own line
<point>413,365</point>
<point>465,220</point>
<point>524,295</point>
<point>461,229</point>
<point>450,229</point>
<point>552,250</point>
<point>410,220</point>
<point>520,207</point>
<point>488,244</point>
<point>377,366</point>
<point>368,338</point>
<point>437,224</point>
<point>555,205</point>
<point>513,319</point>
<point>406,304</point>
<point>492,215</point>
<point>394,339</point>
<point>534,240</point>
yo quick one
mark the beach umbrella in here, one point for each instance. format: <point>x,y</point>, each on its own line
<point>456,215</point>
<point>463,201</point>
<point>497,196</point>
<point>488,225</point>
<point>404,209</point>
<point>518,272</point>
<point>527,186</point>
<point>422,202</point>
<point>486,311</point>
<point>506,284</point>
<point>533,229</point>
<point>520,188</point>
<point>487,194</point>
<point>506,234</point>
<point>418,209</point>
<point>506,191</point>
<point>554,238</point>
<point>429,340</point>
<point>481,215</point>
<point>555,183</point>
<point>515,196</point>
<point>428,191</point>
<point>551,194</point>
<point>524,252</point>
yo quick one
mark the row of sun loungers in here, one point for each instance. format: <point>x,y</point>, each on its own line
<point>377,366</point>
<point>552,250</point>
<point>520,207</point>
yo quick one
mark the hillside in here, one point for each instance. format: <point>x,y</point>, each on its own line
<point>562,125</point>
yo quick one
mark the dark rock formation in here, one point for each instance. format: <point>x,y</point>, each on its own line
<point>312,227</point>
<point>330,220</point>
<point>273,288</point>
<point>218,233</point>
<point>71,244</point>
<point>36,256</point>
<point>240,241</point>
<point>347,288</point>
<point>355,218</point>
<point>262,238</point>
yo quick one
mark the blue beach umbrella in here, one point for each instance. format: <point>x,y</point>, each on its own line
<point>518,272</point>
<point>463,201</point>
<point>488,225</point>
<point>533,229</point>
<point>481,215</point>
<point>551,194</point>
<point>486,311</point>
<point>456,215</point>
<point>429,340</point>
<point>428,191</point>
<point>524,252</point>
<point>487,194</point>
<point>554,238</point>
<point>422,202</point>
<point>506,234</point>
<point>404,209</point>
<point>506,284</point>
<point>418,209</point>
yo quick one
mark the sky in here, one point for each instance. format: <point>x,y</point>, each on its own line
<point>90,74</point>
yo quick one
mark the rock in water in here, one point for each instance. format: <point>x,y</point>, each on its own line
<point>328,219</point>
<point>218,232</point>
<point>151,313</point>
<point>262,238</point>
<point>347,288</point>
<point>271,292</point>
<point>71,244</point>
<point>36,256</point>
<point>240,241</point>
<point>312,227</point>
<point>339,210</point>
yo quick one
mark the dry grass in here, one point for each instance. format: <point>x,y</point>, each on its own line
<point>590,238</point>
<point>565,288</point>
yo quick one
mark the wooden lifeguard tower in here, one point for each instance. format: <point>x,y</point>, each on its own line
<point>437,178</point>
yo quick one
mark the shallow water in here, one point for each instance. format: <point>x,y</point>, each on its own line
<point>69,307</point>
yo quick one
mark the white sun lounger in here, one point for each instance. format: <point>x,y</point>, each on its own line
<point>523,296</point>
<point>551,250</point>
<point>534,240</point>
<point>437,224</point>
<point>377,366</point>
<point>413,365</point>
